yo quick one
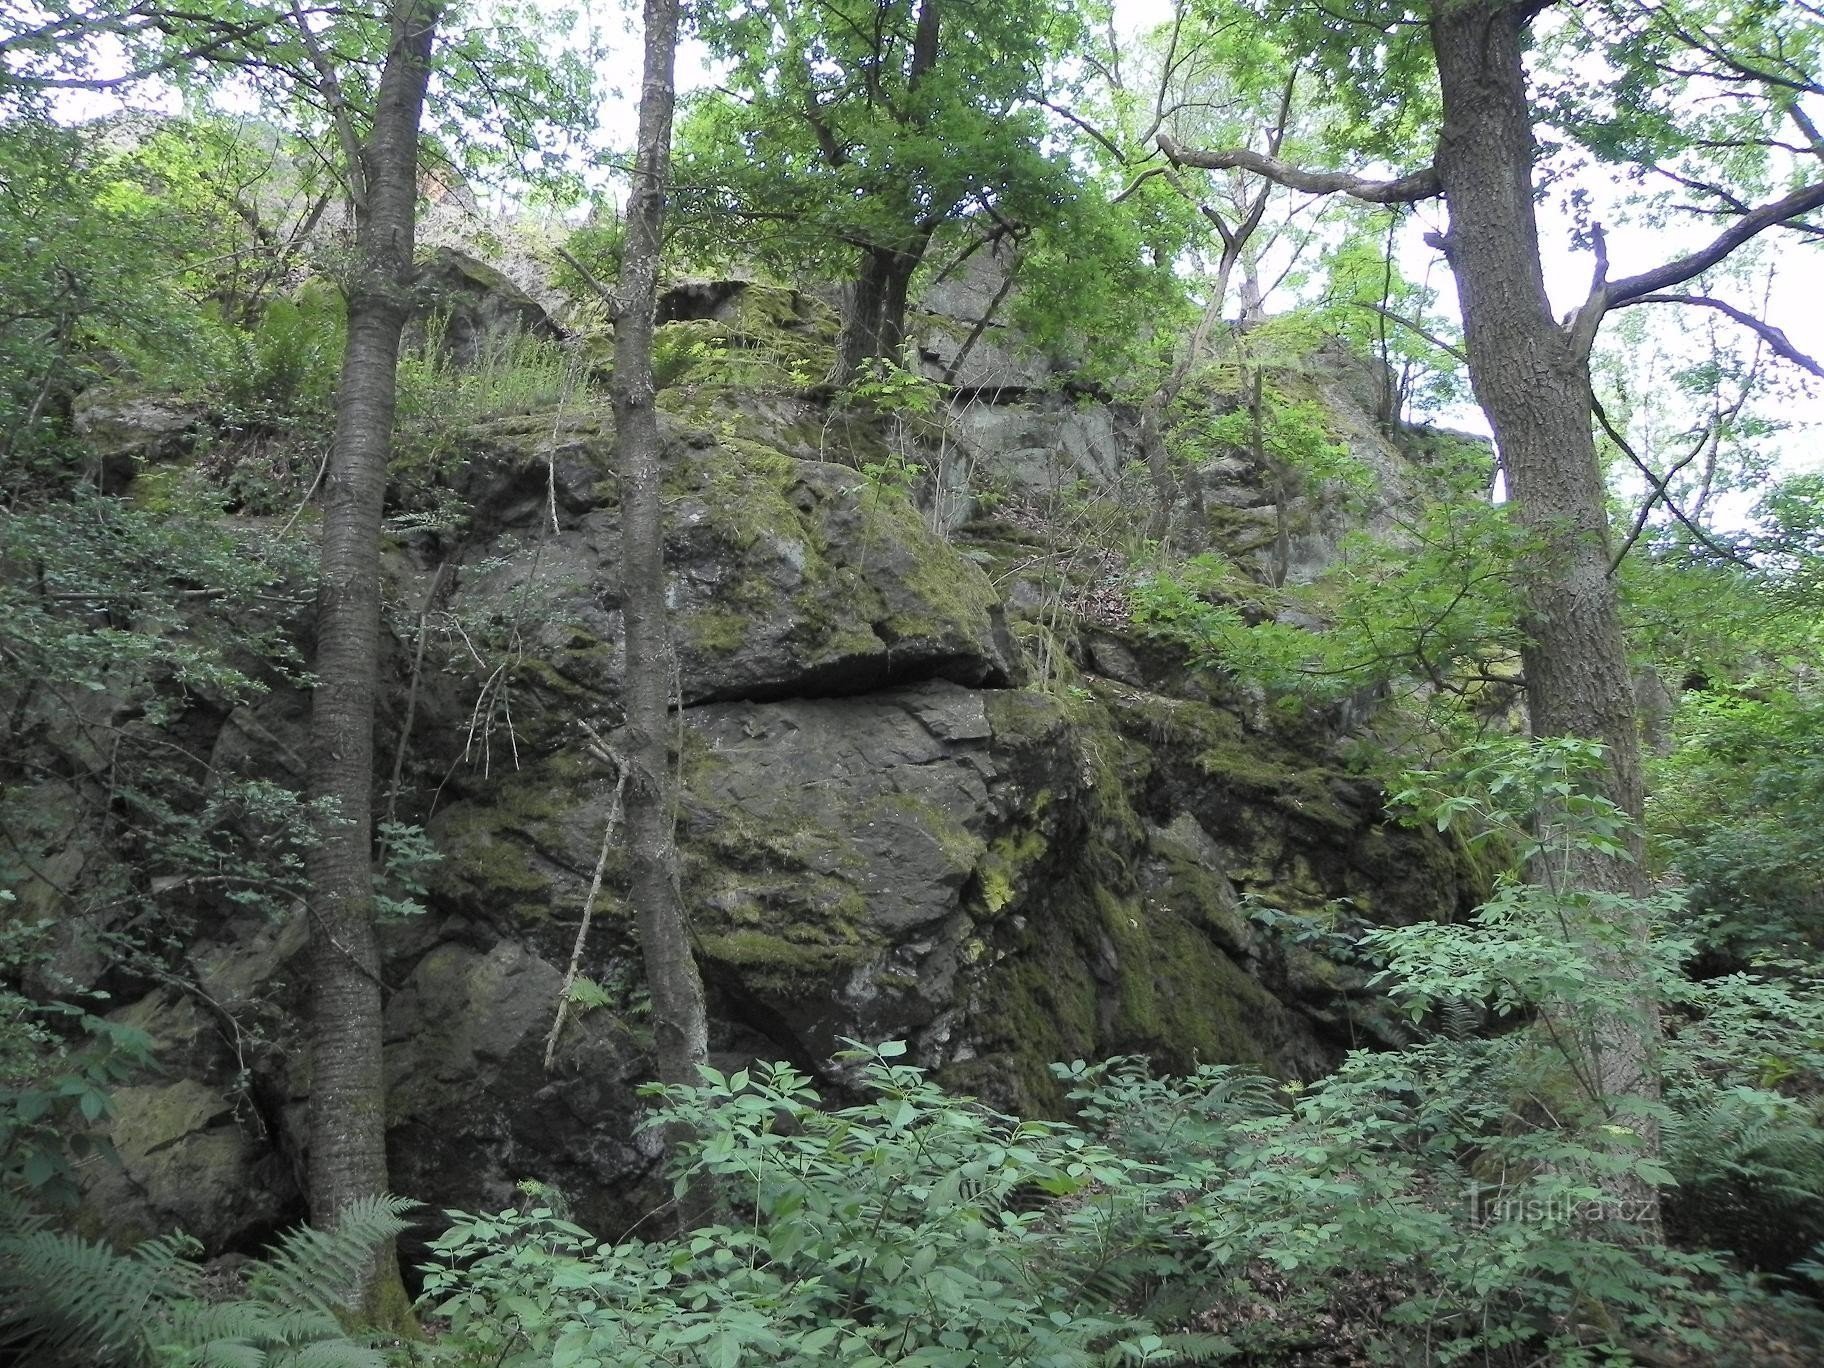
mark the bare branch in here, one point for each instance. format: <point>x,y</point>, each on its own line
<point>1750,225</point>
<point>1775,338</point>
<point>1659,490</point>
<point>341,113</point>
<point>1088,128</point>
<point>1412,325</point>
<point>1807,127</point>
<point>1421,185</point>
<point>1588,318</point>
<point>1139,181</point>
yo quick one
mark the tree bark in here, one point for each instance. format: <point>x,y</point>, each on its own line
<point>680,1026</point>
<point>1534,386</point>
<point>874,321</point>
<point>347,1157</point>
<point>874,324</point>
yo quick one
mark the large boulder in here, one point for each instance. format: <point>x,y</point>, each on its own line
<point>124,427</point>
<point>204,1141</point>
<point>786,577</point>
<point>478,308</point>
<point>472,1107</point>
<point>898,818</point>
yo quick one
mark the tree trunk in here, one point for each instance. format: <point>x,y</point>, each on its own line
<point>347,1159</point>
<point>680,1027</point>
<point>1535,389</point>
<point>874,322</point>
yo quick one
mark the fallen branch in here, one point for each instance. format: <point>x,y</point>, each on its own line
<point>599,747</point>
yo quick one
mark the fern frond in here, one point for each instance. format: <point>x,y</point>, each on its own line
<point>314,1270</point>
<point>226,1355</point>
<point>75,1300</point>
<point>1190,1347</point>
<point>1460,1018</point>
<point>72,1301</point>
<point>331,1354</point>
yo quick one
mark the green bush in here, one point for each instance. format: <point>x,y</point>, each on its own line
<point>1464,1184</point>
<point>910,1228</point>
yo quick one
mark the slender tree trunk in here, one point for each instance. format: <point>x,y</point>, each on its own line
<point>1535,390</point>
<point>679,1020</point>
<point>874,322</point>
<point>347,1159</point>
<point>1156,409</point>
<point>1253,309</point>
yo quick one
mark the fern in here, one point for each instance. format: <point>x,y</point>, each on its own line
<point>314,1270</point>
<point>75,1301</point>
<point>1172,1351</point>
<point>1748,1136</point>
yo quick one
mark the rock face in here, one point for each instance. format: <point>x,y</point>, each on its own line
<point>916,804</point>
<point>123,427</point>
<point>1029,425</point>
<point>478,306</point>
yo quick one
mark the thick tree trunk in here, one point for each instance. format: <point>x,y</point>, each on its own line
<point>874,318</point>
<point>347,1159</point>
<point>1535,389</point>
<point>874,321</point>
<point>679,1020</point>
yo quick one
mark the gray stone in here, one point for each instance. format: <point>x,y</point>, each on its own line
<point>471,1108</point>
<point>479,307</point>
<point>189,1158</point>
<point>115,420</point>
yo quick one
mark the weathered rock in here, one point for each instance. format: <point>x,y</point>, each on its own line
<point>124,427</point>
<point>786,577</point>
<point>1046,444</point>
<point>190,1159</point>
<point>471,1108</point>
<point>742,335</point>
<point>969,308</point>
<point>478,307</point>
<point>884,835</point>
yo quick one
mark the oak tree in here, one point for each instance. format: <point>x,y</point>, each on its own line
<point>1529,369</point>
<point>847,134</point>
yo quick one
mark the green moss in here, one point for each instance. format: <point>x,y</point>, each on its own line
<point>1223,749</point>
<point>488,845</point>
<point>1009,858</point>
<point>948,588</point>
<point>961,847</point>
<point>1040,1007</point>
<point>1021,716</point>
<point>159,489</point>
<point>778,339</point>
<point>1177,996</point>
<point>387,1307</point>
<point>1204,899</point>
<point>997,888</point>
<point>1112,768</point>
<point>760,878</point>
<point>774,964</point>
<point>718,631</point>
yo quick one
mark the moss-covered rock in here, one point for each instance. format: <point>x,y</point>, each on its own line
<point>787,577</point>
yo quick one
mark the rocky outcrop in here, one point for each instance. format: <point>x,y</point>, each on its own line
<point>476,307</point>
<point>923,798</point>
<point>123,428</point>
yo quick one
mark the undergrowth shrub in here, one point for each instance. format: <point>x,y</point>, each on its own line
<point>1453,1201</point>
<point>1203,1219</point>
<point>911,1228</point>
